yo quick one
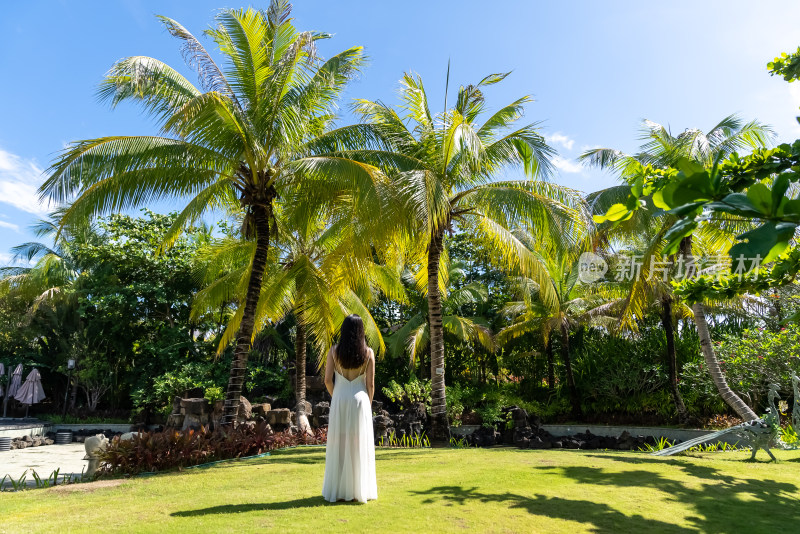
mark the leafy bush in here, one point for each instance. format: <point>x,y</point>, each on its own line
<point>159,451</point>
<point>490,413</point>
<point>158,394</point>
<point>214,393</point>
<point>411,392</point>
<point>455,406</point>
<point>750,361</point>
<point>271,379</point>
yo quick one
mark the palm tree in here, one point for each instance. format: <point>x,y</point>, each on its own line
<point>574,304</point>
<point>413,336</point>
<point>46,273</point>
<point>443,167</point>
<point>307,277</point>
<point>662,149</point>
<point>254,129</point>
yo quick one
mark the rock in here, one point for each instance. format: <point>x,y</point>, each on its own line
<point>245,409</point>
<point>321,408</point>
<point>261,409</point>
<point>176,405</point>
<point>538,443</point>
<point>522,437</point>
<point>175,420</point>
<point>279,416</point>
<point>320,420</point>
<point>377,406</point>
<point>194,406</point>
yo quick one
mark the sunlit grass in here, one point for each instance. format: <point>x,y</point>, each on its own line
<point>438,490</point>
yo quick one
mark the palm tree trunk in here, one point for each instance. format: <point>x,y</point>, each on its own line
<point>551,368</point>
<point>439,426</point>
<point>727,394</point>
<point>300,375</point>
<point>672,358</point>
<point>573,391</point>
<point>244,337</point>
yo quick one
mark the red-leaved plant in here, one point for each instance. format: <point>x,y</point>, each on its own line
<point>171,449</point>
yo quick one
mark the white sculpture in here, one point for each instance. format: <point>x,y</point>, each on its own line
<point>94,445</point>
<point>128,436</point>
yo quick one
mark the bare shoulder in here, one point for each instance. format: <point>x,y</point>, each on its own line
<point>371,354</point>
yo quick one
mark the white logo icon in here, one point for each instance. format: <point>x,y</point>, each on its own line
<point>591,267</point>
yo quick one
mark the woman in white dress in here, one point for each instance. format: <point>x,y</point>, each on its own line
<point>350,452</point>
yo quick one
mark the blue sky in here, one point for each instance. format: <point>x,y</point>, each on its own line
<point>595,68</point>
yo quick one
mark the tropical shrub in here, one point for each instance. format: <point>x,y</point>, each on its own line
<point>158,394</point>
<point>411,392</point>
<point>160,451</point>
<point>751,361</point>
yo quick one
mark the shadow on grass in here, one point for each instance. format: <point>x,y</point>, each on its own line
<point>309,502</point>
<point>721,502</point>
<point>601,516</point>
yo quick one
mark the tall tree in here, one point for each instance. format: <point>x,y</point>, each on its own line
<point>444,167</point>
<point>313,276</point>
<point>574,304</point>
<point>249,132</point>
<point>663,149</point>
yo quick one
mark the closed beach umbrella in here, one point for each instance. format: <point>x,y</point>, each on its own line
<point>31,391</point>
<point>2,374</point>
<point>16,381</point>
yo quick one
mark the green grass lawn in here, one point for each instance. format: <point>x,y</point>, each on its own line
<point>437,490</point>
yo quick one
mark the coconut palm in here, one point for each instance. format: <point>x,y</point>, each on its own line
<point>312,275</point>
<point>443,168</point>
<point>663,149</point>
<point>249,132</point>
<point>46,273</point>
<point>412,337</point>
<point>574,304</point>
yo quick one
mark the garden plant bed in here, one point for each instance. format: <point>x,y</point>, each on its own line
<point>440,490</point>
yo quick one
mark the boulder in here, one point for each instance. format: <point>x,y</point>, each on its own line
<point>320,420</point>
<point>321,408</point>
<point>245,409</point>
<point>194,406</point>
<point>279,416</point>
<point>261,409</point>
<point>175,420</point>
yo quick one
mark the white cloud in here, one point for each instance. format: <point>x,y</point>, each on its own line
<point>19,181</point>
<point>5,260</point>
<point>566,165</point>
<point>12,226</point>
<point>560,139</point>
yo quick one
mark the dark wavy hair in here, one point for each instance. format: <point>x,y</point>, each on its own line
<point>351,352</point>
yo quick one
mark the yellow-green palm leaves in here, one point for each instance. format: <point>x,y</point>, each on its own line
<point>247,133</point>
<point>444,170</point>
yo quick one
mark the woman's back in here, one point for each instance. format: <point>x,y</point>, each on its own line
<point>350,450</point>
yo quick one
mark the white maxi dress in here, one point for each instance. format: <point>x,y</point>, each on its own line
<point>350,452</point>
